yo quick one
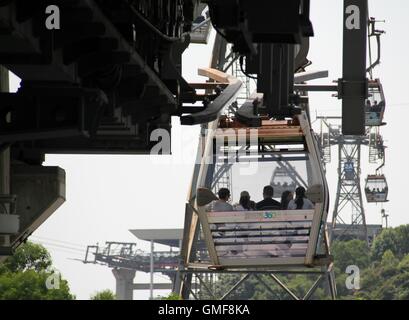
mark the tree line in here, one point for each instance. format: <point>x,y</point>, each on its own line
<point>383,270</point>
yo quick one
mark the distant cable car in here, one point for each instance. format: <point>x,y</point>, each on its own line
<point>349,170</point>
<point>281,181</point>
<point>376,188</point>
<point>375,104</point>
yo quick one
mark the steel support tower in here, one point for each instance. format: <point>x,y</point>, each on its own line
<point>348,199</point>
<point>348,217</point>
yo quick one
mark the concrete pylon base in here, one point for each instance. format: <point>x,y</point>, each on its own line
<point>124,283</point>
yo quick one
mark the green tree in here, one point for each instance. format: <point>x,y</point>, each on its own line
<point>389,261</point>
<point>24,276</point>
<point>31,285</point>
<point>394,239</point>
<point>171,296</point>
<point>404,264</point>
<point>29,256</point>
<point>384,273</point>
<point>385,279</point>
<point>352,252</point>
<point>103,295</point>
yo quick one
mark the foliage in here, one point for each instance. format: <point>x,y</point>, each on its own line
<point>30,285</point>
<point>171,296</point>
<point>383,268</point>
<point>394,239</point>
<point>24,276</point>
<point>353,252</point>
<point>29,256</point>
<point>103,295</point>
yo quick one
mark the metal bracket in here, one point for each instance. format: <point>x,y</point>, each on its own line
<point>8,199</point>
<point>352,89</point>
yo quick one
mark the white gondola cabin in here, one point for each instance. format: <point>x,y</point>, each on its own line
<point>263,238</point>
<point>375,104</point>
<point>376,188</point>
<point>349,170</point>
<point>282,181</point>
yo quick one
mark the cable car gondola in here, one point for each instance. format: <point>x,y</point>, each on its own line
<point>349,170</point>
<point>268,238</point>
<point>281,181</point>
<point>376,188</point>
<point>375,104</point>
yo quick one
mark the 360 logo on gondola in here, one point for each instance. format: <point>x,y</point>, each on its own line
<point>269,215</point>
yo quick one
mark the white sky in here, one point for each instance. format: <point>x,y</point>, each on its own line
<point>108,195</point>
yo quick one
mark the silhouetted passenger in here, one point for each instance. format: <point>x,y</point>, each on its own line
<point>300,202</point>
<point>368,105</point>
<point>268,203</point>
<point>221,205</point>
<point>245,204</point>
<point>286,197</point>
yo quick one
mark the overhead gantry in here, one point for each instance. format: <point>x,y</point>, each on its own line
<point>99,83</point>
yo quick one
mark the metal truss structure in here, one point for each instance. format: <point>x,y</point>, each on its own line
<point>349,193</point>
<point>349,202</point>
<point>124,260</point>
<point>99,81</point>
<point>125,255</point>
<point>205,286</point>
<point>349,199</point>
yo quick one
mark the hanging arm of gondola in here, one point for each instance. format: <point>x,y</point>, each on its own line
<point>383,163</point>
<point>224,99</point>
